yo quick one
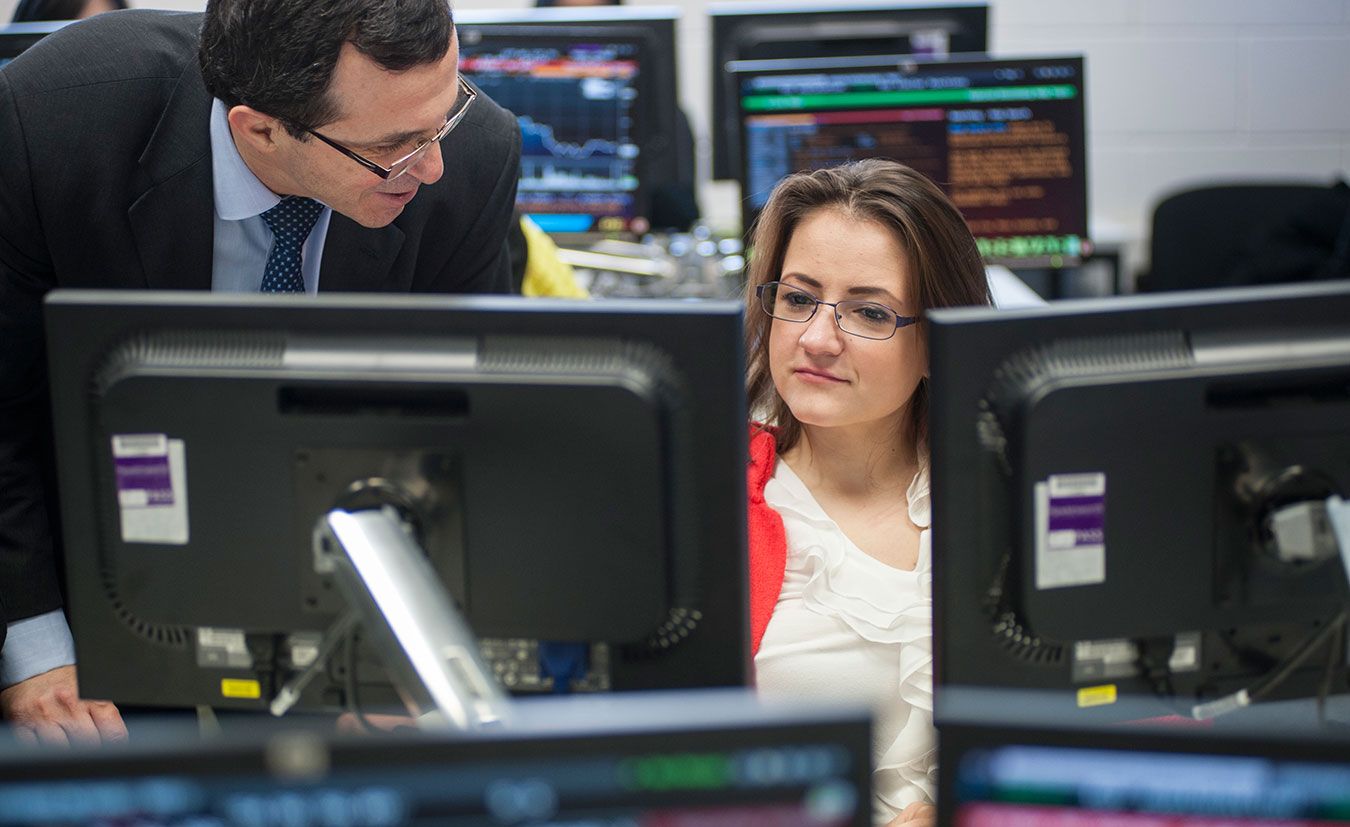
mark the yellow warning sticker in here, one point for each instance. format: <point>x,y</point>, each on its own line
<point>1097,695</point>
<point>236,688</point>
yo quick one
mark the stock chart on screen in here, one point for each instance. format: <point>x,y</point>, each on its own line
<point>1003,138</point>
<point>578,106</point>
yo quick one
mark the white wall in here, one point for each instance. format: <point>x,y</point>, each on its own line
<point>1179,91</point>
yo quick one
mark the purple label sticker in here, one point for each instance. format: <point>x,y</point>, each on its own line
<point>1084,516</point>
<point>144,479</point>
<point>151,475</point>
<point>1070,524</point>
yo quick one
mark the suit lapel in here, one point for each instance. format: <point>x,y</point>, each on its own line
<point>360,259</point>
<point>173,219</point>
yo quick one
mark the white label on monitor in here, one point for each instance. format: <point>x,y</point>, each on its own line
<point>1070,519</point>
<point>222,648</point>
<point>151,475</point>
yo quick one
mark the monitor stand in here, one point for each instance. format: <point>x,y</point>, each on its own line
<point>430,652</point>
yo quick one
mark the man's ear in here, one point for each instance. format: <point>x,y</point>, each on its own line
<point>251,128</point>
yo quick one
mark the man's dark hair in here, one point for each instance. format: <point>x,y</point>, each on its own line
<point>278,56</point>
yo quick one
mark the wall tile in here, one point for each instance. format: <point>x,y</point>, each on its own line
<point>1299,84</point>
<point>1243,11</point>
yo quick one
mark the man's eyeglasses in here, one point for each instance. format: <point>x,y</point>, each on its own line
<point>866,319</point>
<point>467,95</point>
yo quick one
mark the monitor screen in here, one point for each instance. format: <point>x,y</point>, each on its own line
<point>16,37</point>
<point>595,96</point>
<point>574,472</point>
<point>1003,138</point>
<point>718,764</point>
<point>1014,774</point>
<point>786,30</point>
<point>1133,497</point>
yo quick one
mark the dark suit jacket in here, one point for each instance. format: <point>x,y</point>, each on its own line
<point>106,182</point>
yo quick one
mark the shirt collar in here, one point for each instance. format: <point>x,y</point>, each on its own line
<point>239,194</point>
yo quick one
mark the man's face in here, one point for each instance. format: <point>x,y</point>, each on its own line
<point>382,116</point>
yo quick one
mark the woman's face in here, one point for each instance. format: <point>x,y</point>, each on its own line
<point>94,7</point>
<point>827,377</point>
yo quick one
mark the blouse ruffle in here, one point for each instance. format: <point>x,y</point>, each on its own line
<point>881,604</point>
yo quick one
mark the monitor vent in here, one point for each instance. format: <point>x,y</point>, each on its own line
<point>1009,632</point>
<point>175,637</point>
<point>604,357</point>
<point>1029,370</point>
<point>190,349</point>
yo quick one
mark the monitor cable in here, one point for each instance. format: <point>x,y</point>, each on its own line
<point>1154,664</point>
<point>350,683</point>
<point>1334,649</point>
<point>290,692</point>
<point>1272,680</point>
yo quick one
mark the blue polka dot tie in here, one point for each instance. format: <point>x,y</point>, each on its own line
<point>290,222</point>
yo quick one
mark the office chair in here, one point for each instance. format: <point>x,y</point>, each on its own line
<point>1211,236</point>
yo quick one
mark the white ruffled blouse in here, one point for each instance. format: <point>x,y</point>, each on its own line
<point>848,627</point>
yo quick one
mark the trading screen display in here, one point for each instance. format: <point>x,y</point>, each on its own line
<point>785,785</point>
<point>1003,138</point>
<point>577,104</point>
<point>1016,785</point>
<point>16,37</point>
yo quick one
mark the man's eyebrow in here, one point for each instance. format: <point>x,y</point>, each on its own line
<point>396,138</point>
<point>406,136</point>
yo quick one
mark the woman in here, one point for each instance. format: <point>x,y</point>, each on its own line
<point>846,262</point>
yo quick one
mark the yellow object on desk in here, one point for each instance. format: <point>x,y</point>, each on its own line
<point>545,273</point>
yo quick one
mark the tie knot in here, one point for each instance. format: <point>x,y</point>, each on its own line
<point>294,217</point>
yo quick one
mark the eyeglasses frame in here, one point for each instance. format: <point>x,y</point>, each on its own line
<point>900,321</point>
<point>387,173</point>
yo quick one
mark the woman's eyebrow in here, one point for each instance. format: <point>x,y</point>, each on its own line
<point>873,292</point>
<point>867,291</point>
<point>807,280</point>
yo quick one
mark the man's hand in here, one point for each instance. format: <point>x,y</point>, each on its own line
<point>918,814</point>
<point>348,724</point>
<point>46,709</point>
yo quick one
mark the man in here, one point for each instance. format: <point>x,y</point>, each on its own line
<point>275,145</point>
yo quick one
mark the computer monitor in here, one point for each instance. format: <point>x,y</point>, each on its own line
<point>690,762</point>
<point>1013,772</point>
<point>574,471</point>
<point>16,37</point>
<point>1131,497</point>
<point>1003,137</point>
<point>788,30</point>
<point>596,98</point>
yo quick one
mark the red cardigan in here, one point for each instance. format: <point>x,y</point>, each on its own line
<point>768,541</point>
